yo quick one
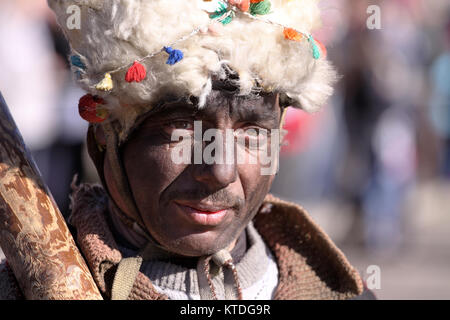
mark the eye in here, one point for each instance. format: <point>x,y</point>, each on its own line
<point>184,127</point>
<point>181,124</point>
<point>252,131</point>
<point>251,137</point>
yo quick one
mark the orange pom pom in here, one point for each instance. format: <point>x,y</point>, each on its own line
<point>243,5</point>
<point>292,34</point>
<point>136,73</point>
<point>256,1</point>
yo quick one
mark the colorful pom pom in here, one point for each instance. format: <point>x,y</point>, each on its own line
<point>78,75</point>
<point>322,47</point>
<point>260,8</point>
<point>76,61</point>
<point>106,84</point>
<point>90,109</point>
<point>174,55</point>
<point>315,48</point>
<point>136,73</point>
<point>228,19</point>
<point>221,11</point>
<point>216,29</point>
<point>243,5</point>
<point>292,34</point>
<point>210,6</point>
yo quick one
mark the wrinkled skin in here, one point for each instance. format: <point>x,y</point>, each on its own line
<point>159,185</point>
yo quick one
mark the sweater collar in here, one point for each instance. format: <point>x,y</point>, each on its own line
<point>172,276</point>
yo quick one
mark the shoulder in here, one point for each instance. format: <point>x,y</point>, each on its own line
<point>9,289</point>
<point>367,294</point>
<point>311,266</point>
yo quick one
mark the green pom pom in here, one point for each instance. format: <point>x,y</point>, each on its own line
<point>221,11</point>
<point>260,8</point>
<point>315,48</point>
<point>228,19</point>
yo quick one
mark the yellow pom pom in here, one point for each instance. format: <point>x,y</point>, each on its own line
<point>106,84</point>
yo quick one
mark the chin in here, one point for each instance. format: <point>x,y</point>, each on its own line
<point>196,245</point>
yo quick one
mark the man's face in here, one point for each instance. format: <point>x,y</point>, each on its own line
<point>197,209</point>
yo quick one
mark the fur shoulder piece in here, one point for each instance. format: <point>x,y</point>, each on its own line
<point>89,204</point>
<point>310,265</point>
<point>9,289</point>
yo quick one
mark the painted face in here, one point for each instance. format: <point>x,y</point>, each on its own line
<point>196,208</point>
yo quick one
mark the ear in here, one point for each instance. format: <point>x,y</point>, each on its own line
<point>100,137</point>
<point>286,101</point>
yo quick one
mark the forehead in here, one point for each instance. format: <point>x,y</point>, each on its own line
<point>221,104</point>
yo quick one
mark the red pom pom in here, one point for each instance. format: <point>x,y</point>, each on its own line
<point>90,110</point>
<point>136,73</point>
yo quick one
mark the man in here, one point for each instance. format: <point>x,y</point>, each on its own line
<point>185,141</point>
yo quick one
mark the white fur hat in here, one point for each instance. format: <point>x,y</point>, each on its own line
<point>255,44</point>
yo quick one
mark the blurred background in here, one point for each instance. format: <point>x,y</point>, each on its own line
<point>372,168</point>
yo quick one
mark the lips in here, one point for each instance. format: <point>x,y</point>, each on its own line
<point>203,214</point>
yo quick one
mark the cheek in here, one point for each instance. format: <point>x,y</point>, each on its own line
<point>150,171</point>
<point>258,170</point>
<point>255,185</point>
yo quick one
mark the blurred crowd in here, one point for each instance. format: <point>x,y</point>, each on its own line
<point>385,132</point>
<point>42,97</point>
<point>387,129</point>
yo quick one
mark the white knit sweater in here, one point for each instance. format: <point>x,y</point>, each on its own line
<point>257,272</point>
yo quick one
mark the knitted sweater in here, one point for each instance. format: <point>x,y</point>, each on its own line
<point>257,270</point>
<point>310,266</point>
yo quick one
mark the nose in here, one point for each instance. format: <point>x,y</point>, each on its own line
<point>216,176</point>
<point>219,171</point>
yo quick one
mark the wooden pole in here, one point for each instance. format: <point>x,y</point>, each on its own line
<point>33,234</point>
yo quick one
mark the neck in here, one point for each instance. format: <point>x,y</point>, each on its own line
<point>124,232</point>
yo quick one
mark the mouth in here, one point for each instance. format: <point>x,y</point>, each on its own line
<point>203,214</point>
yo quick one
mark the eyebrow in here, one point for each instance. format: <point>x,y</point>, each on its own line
<point>246,110</point>
<point>253,115</point>
<point>242,106</point>
<point>175,108</point>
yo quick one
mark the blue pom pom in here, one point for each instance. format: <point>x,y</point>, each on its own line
<point>174,55</point>
<point>78,75</point>
<point>76,61</point>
